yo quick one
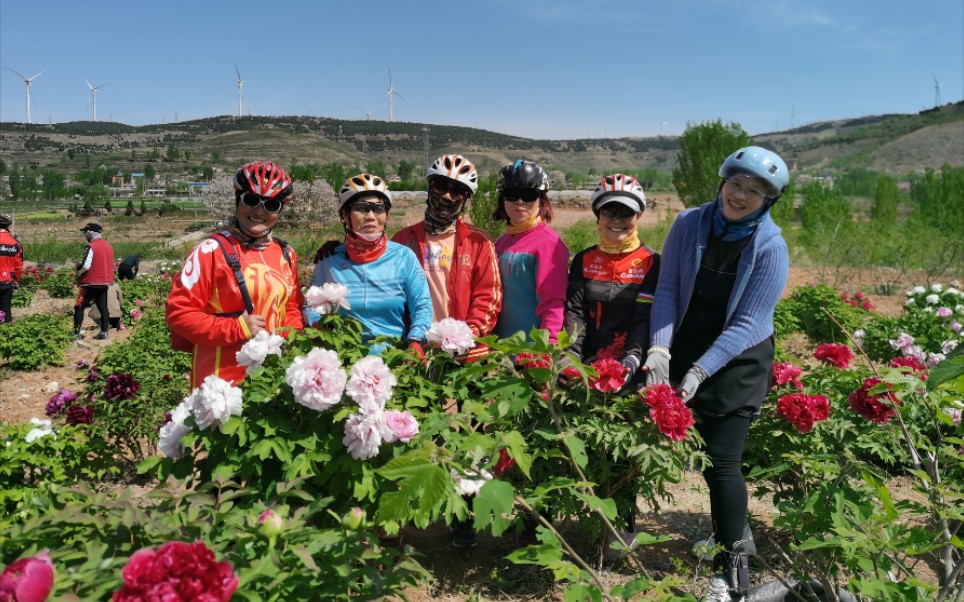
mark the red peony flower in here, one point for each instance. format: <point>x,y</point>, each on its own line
<point>784,373</point>
<point>533,360</point>
<point>910,362</point>
<point>859,295</point>
<point>611,375</point>
<point>655,395</point>
<point>833,354</point>
<point>177,571</point>
<point>78,414</point>
<point>877,407</point>
<point>121,386</point>
<point>802,410</point>
<point>504,464</point>
<point>28,579</point>
<point>844,296</point>
<point>673,418</point>
<point>571,373</point>
<point>867,305</point>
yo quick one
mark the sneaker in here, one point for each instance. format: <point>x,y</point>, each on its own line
<point>706,549</point>
<point>463,535</point>
<point>628,538</point>
<point>101,336</point>
<point>78,336</point>
<point>719,591</point>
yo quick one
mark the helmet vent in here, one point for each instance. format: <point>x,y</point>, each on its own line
<point>740,154</point>
<point>773,169</point>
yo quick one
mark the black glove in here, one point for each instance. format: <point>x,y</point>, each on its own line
<point>326,250</point>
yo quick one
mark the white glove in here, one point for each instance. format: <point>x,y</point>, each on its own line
<point>657,366</point>
<point>691,382</point>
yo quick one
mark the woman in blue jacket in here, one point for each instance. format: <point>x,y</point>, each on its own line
<point>387,290</point>
<point>724,266</point>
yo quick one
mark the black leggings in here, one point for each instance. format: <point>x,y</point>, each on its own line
<point>725,437</point>
<point>98,296</point>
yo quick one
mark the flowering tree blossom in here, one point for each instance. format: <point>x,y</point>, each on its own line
<point>370,383</point>
<point>253,353</point>
<point>451,335</point>
<point>327,298</point>
<point>317,380</point>
<point>215,401</point>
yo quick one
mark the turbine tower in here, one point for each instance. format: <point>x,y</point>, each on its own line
<point>93,97</point>
<point>240,92</point>
<point>391,93</point>
<point>368,114</point>
<point>29,82</point>
<point>661,124</point>
<point>937,91</point>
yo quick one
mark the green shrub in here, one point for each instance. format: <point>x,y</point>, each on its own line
<point>61,284</point>
<point>822,315</point>
<point>36,341</point>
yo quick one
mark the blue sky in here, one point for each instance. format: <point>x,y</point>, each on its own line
<point>543,68</point>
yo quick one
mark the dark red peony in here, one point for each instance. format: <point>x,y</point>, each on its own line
<point>504,464</point>
<point>910,362</point>
<point>802,410</point>
<point>668,411</point>
<point>834,354</point>
<point>78,414</point>
<point>876,407</point>
<point>120,386</point>
<point>177,572</point>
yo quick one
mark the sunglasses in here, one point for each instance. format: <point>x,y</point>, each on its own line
<point>458,192</point>
<point>527,195</point>
<point>253,201</point>
<point>363,208</point>
<point>616,210</point>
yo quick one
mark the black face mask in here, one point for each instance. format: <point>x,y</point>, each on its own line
<point>440,214</point>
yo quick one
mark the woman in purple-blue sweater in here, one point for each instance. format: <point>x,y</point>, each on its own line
<point>724,266</point>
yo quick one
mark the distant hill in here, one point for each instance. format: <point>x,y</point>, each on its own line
<point>897,144</point>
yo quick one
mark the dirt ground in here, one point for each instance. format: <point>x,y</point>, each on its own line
<point>481,573</point>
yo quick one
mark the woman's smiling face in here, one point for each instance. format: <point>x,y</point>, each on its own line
<point>617,222</point>
<point>742,195</point>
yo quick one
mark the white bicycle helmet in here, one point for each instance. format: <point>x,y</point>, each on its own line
<point>760,163</point>
<point>455,167</point>
<point>364,183</point>
<point>619,188</point>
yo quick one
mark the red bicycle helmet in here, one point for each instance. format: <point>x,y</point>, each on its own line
<point>264,179</point>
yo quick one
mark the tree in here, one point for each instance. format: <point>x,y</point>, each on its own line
<point>483,205</point>
<point>108,207</point>
<point>824,209</point>
<point>130,208</point>
<point>54,185</point>
<point>406,169</point>
<point>378,168</point>
<point>703,147</point>
<point>149,172</point>
<point>886,199</point>
<point>207,173</point>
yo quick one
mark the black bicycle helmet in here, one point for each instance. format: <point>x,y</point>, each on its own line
<point>521,175</point>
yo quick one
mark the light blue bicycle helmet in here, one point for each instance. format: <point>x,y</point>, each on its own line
<point>760,163</point>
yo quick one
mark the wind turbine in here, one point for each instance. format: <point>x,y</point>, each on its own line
<point>240,92</point>
<point>93,97</point>
<point>937,91</point>
<point>391,92</point>
<point>368,114</point>
<point>29,82</point>
<point>661,124</point>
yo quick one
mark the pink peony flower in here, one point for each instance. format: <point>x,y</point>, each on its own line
<point>177,571</point>
<point>253,353</point>
<point>28,579</point>
<point>135,313</point>
<point>784,373</point>
<point>364,433</point>
<point>451,335</point>
<point>138,302</point>
<point>610,376</point>
<point>215,401</point>
<point>673,418</point>
<point>956,326</point>
<point>3,317</point>
<point>834,354</point>
<point>944,312</point>
<point>317,380</point>
<point>81,365</point>
<point>867,305</point>
<point>327,298</point>
<point>271,523</point>
<point>402,426</point>
<point>370,383</point>
<point>914,364</point>
<point>877,407</point>
<point>903,341</point>
<point>57,403</point>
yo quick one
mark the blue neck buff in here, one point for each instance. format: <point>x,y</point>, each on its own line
<point>729,231</point>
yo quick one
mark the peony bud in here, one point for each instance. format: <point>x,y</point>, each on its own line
<point>353,519</point>
<point>271,524</point>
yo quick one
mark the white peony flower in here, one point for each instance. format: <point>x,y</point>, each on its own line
<point>215,401</point>
<point>937,288</point>
<point>253,353</point>
<point>953,291</point>
<point>909,302</point>
<point>949,345</point>
<point>170,435</point>
<point>932,299</point>
<point>370,383</point>
<point>903,341</point>
<point>364,433</point>
<point>401,426</point>
<point>451,335</point>
<point>325,299</point>
<point>917,290</point>
<point>928,310</point>
<point>470,486</point>
<point>317,380</point>
<point>41,429</point>
<point>933,359</point>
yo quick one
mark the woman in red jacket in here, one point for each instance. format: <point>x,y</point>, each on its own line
<point>11,267</point>
<point>206,305</point>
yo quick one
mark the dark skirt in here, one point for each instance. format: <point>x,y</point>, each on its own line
<point>740,386</point>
